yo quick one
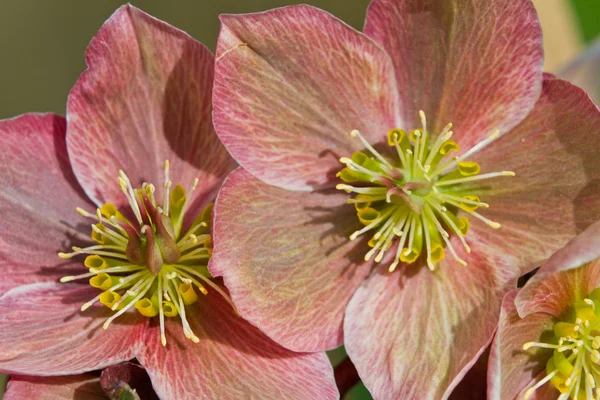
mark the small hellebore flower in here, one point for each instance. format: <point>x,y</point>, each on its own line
<point>466,167</point>
<point>548,340</point>
<point>145,98</point>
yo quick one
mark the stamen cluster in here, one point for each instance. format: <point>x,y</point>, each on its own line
<point>148,263</point>
<point>416,198</point>
<point>574,367</point>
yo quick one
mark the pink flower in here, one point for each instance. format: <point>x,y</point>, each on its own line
<point>297,91</point>
<point>145,98</point>
<point>549,332</point>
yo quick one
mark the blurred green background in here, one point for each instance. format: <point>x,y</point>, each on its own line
<point>42,44</point>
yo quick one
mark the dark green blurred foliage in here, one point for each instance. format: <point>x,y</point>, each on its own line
<point>588,15</point>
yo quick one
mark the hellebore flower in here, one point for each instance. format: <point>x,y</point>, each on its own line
<point>145,98</point>
<point>297,91</point>
<point>548,339</point>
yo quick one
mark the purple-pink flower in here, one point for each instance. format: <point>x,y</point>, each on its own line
<point>144,98</point>
<point>512,179</point>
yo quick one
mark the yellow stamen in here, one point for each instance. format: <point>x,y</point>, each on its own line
<point>148,263</point>
<point>573,366</point>
<point>414,198</point>
<point>146,308</point>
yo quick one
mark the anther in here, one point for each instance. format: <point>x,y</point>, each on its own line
<point>84,213</point>
<point>344,187</point>
<point>591,303</point>
<point>595,356</point>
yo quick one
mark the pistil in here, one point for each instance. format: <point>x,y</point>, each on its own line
<point>148,264</point>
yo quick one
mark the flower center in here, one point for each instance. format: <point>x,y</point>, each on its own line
<point>574,367</point>
<point>416,198</point>
<point>148,263</point>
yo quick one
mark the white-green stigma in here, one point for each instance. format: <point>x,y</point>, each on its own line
<point>148,263</point>
<point>415,199</point>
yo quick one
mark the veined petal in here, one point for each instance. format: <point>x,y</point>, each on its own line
<point>145,98</point>
<point>556,292</point>
<point>569,275</point>
<point>477,65</point>
<point>415,334</point>
<point>556,191</point>
<point>581,250</point>
<point>511,370</point>
<point>290,86</point>
<point>287,260</point>
<point>233,360</point>
<point>43,331</point>
<point>37,201</point>
<point>85,386</point>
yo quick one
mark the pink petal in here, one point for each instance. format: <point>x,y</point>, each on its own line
<point>287,260</point>
<point>556,191</point>
<point>414,334</point>
<point>290,86</point>
<point>145,98</point>
<point>37,202</point>
<point>233,360</point>
<point>560,281</point>
<point>43,331</point>
<point>477,65</point>
<point>85,386</point>
<point>511,370</point>
<point>581,250</point>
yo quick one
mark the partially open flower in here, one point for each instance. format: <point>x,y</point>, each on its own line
<point>465,167</point>
<point>548,339</point>
<point>145,98</point>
